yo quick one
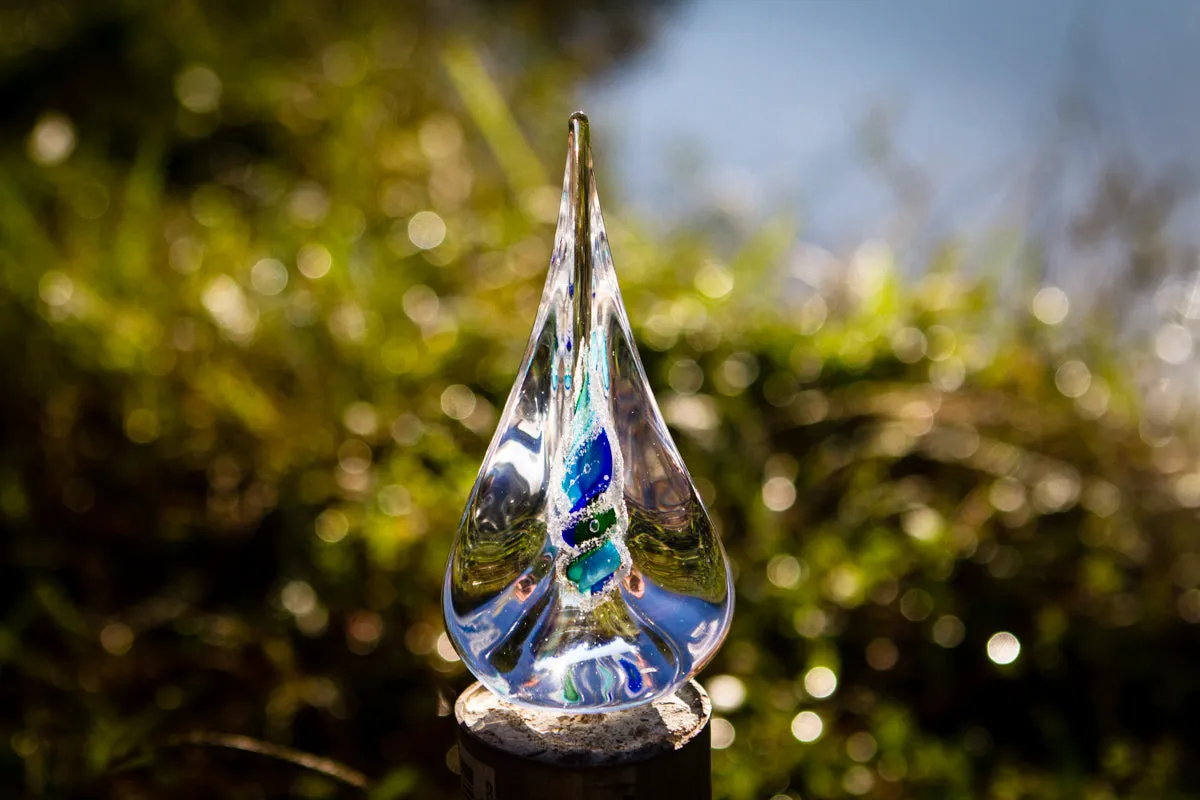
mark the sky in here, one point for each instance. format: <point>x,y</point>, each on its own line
<point>758,103</point>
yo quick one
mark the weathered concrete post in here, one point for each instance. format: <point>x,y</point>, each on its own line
<point>661,750</point>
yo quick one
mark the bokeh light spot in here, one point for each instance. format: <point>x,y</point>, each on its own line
<point>141,425</point>
<point>785,571</point>
<point>308,204</point>
<point>923,524</point>
<point>685,376</point>
<point>909,345</point>
<point>229,307</point>
<point>426,230</point>
<point>949,631</point>
<point>820,682</point>
<point>52,140</point>
<point>737,373</point>
<point>861,747</point>
<point>421,638</point>
<point>723,733</point>
<point>778,494</point>
<point>394,500</point>
<point>298,597</point>
<point>882,654</point>
<point>421,305</point>
<point>1050,305</point>
<point>1173,343</point>
<point>714,281</point>
<point>314,261</point>
<point>1189,606</point>
<point>331,526</point>
<point>458,401</point>
<point>268,277</point>
<point>364,629</point>
<point>1003,648</point>
<point>445,649</point>
<point>807,727</point>
<point>916,604</point>
<point>810,622</point>
<point>116,638</point>
<point>858,780</point>
<point>198,89</point>
<point>407,430</point>
<point>727,692</point>
<point>344,63</point>
<point>55,288</point>
<point>1007,494</point>
<point>441,137</point>
<point>361,418</point>
<point>1073,378</point>
<point>1187,489</point>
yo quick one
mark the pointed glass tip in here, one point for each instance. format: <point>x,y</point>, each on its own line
<point>586,575</point>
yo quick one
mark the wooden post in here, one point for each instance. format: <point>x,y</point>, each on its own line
<point>659,750</point>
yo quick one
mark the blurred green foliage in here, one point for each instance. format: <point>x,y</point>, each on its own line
<point>265,278</point>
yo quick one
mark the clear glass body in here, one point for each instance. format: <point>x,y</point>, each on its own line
<point>586,575</point>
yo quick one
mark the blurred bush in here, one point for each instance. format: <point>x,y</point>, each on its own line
<point>265,279</point>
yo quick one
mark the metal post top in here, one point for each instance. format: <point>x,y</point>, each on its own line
<point>565,739</point>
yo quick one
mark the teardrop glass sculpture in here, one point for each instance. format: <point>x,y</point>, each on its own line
<point>586,575</point>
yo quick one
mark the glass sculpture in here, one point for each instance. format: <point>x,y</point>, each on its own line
<point>586,575</point>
